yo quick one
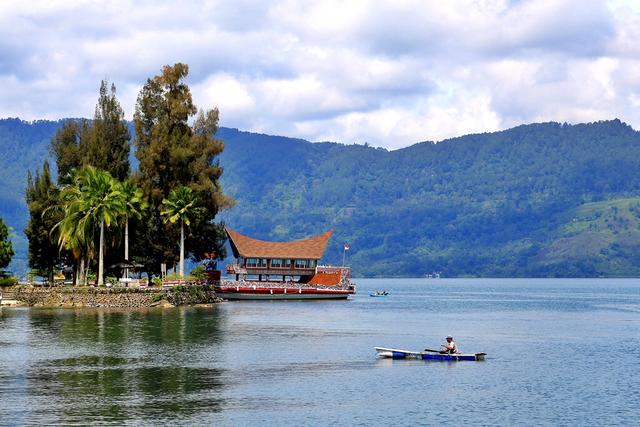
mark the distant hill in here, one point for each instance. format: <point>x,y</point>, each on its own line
<point>537,200</point>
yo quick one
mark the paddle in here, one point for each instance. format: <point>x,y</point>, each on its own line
<point>432,351</point>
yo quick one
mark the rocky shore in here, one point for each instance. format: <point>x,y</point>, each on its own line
<point>69,296</point>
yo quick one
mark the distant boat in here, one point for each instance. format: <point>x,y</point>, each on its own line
<point>434,275</point>
<point>379,294</point>
<point>427,355</point>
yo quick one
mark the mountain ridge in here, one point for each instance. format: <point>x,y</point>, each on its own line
<point>480,204</point>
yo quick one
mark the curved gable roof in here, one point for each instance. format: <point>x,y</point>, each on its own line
<point>248,247</point>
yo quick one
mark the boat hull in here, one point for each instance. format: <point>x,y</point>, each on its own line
<point>425,355</point>
<point>250,293</point>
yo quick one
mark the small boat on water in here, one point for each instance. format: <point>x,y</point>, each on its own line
<point>427,355</point>
<point>379,294</point>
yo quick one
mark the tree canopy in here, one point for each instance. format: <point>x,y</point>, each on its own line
<point>6,248</point>
<point>173,154</point>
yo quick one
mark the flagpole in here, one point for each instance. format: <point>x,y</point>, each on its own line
<point>344,255</point>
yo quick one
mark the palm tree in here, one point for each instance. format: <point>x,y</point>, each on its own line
<point>181,205</point>
<point>134,206</point>
<point>94,198</point>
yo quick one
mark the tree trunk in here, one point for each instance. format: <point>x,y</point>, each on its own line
<point>126,246</point>
<point>101,256</point>
<point>81,280</point>
<point>182,249</point>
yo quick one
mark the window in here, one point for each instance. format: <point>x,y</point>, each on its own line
<point>301,263</point>
<point>312,263</point>
<point>287,263</point>
<point>276,263</point>
<point>256,263</point>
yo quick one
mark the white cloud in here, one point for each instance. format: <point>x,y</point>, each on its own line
<point>386,72</point>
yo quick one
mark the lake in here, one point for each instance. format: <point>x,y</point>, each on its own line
<point>560,352</point>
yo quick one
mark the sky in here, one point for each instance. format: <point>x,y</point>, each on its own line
<point>388,73</point>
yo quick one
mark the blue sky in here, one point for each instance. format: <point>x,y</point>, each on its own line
<point>390,73</point>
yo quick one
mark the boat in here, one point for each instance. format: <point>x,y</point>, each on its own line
<point>379,294</point>
<point>282,271</point>
<point>427,355</point>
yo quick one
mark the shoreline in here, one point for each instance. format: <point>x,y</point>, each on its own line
<point>93,297</point>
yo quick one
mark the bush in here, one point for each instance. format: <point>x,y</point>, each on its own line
<point>8,281</point>
<point>199,273</point>
<point>159,296</point>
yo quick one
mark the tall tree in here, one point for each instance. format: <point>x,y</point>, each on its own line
<point>42,197</point>
<point>94,199</point>
<point>134,206</point>
<point>108,140</point>
<point>181,206</point>
<point>66,148</point>
<point>6,249</point>
<point>172,154</point>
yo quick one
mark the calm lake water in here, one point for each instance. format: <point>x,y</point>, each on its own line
<point>560,352</point>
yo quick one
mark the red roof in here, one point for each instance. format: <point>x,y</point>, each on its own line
<point>326,278</point>
<point>248,247</point>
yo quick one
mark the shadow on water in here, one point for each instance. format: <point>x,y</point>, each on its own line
<point>111,366</point>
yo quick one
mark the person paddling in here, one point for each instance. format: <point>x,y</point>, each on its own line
<point>450,347</point>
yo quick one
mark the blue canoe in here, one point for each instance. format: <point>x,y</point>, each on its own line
<point>379,294</point>
<point>426,355</point>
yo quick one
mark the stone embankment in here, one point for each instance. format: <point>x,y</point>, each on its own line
<point>69,296</point>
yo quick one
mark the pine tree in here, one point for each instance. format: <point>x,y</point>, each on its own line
<point>174,154</point>
<point>65,147</point>
<point>6,249</point>
<point>108,138</point>
<point>42,199</point>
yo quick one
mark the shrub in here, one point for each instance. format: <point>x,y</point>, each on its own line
<point>157,296</point>
<point>8,281</point>
<point>199,273</point>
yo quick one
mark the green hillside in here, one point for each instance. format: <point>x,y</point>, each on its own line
<point>522,202</point>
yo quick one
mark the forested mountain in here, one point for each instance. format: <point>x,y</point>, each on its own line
<point>536,200</point>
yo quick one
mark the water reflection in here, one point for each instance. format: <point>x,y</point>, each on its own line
<point>110,366</point>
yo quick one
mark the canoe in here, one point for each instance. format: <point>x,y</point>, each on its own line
<point>378,295</point>
<point>426,355</point>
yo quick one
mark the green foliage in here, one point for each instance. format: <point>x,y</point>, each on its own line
<point>199,273</point>
<point>108,146</point>
<point>67,149</point>
<point>479,205</point>
<point>42,200</point>
<point>94,200</point>
<point>6,248</point>
<point>498,204</point>
<point>8,281</point>
<point>158,296</point>
<point>173,154</point>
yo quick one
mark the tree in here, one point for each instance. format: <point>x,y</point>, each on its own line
<point>108,139</point>
<point>76,235</point>
<point>65,147</point>
<point>6,249</point>
<point>134,205</point>
<point>42,198</point>
<point>94,199</point>
<point>181,205</point>
<point>173,154</point>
